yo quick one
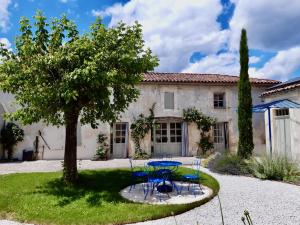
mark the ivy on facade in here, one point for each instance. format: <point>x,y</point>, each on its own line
<point>140,128</point>
<point>204,124</point>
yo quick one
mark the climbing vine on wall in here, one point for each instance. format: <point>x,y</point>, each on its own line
<point>140,128</point>
<point>204,124</point>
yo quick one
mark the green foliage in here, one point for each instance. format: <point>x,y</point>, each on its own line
<point>205,143</point>
<point>140,128</point>
<point>55,70</point>
<point>103,148</point>
<point>245,145</point>
<point>11,134</point>
<point>58,75</point>
<point>275,168</point>
<point>230,164</point>
<point>204,124</point>
<point>141,155</point>
<point>43,198</point>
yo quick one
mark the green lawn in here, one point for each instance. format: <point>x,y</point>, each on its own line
<point>43,199</point>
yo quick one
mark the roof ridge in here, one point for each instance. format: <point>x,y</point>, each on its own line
<point>205,74</point>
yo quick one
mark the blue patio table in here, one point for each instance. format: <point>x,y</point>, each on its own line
<point>164,169</point>
<point>164,164</point>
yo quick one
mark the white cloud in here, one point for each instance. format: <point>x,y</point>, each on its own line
<point>6,42</point>
<point>270,24</point>
<point>282,64</point>
<point>254,59</point>
<point>225,63</point>
<point>173,29</point>
<point>279,67</point>
<point>97,13</point>
<point>4,15</point>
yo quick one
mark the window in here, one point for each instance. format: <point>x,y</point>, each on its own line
<point>219,100</point>
<point>175,132</point>
<point>169,100</point>
<point>120,132</point>
<point>161,133</point>
<point>282,112</point>
<point>218,133</point>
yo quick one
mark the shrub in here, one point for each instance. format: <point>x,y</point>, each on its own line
<point>102,150</point>
<point>207,159</point>
<point>206,144</point>
<point>229,164</point>
<point>11,134</point>
<point>275,168</point>
<point>141,127</point>
<point>204,124</point>
<point>141,155</point>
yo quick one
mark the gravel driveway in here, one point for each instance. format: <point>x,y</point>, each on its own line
<point>269,203</point>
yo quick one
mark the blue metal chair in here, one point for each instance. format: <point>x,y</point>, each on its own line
<point>194,178</point>
<point>157,178</point>
<point>154,179</point>
<point>136,175</point>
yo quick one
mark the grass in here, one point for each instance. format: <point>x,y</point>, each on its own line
<point>43,198</point>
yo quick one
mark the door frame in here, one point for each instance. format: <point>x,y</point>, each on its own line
<point>126,137</point>
<point>168,121</point>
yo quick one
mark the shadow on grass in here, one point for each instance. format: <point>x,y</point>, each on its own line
<point>95,187</point>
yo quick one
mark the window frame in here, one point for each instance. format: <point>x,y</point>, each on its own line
<point>282,112</point>
<point>162,135</point>
<point>177,132</point>
<point>218,134</point>
<point>169,93</point>
<point>120,133</point>
<point>218,101</point>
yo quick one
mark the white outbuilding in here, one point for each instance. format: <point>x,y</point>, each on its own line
<point>282,118</point>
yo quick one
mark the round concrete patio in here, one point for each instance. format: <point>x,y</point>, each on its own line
<point>183,195</point>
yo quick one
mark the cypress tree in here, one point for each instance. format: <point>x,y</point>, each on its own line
<point>245,145</point>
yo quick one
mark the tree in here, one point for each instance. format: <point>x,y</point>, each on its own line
<point>11,134</point>
<point>59,76</point>
<point>245,145</point>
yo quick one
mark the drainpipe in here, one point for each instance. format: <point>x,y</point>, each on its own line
<point>270,130</point>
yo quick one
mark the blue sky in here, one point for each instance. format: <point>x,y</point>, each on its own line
<point>188,36</point>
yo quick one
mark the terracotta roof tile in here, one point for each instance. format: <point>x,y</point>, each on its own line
<point>155,77</point>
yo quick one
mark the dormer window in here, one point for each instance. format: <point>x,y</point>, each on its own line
<point>169,100</point>
<point>219,100</point>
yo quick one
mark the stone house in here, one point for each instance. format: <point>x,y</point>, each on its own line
<point>214,94</point>
<point>284,122</point>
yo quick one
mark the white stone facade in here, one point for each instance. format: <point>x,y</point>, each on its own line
<point>186,96</point>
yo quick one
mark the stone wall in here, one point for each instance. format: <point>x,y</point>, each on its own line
<point>185,96</point>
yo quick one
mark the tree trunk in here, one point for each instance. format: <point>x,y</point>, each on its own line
<point>3,153</point>
<point>9,153</point>
<point>70,158</point>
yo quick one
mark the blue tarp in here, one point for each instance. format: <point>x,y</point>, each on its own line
<point>278,104</point>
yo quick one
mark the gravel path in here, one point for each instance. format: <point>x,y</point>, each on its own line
<point>269,202</point>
